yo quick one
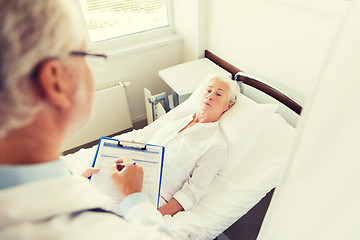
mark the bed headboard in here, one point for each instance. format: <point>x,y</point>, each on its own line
<point>242,77</point>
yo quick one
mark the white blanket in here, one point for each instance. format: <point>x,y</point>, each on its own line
<point>234,194</point>
<point>253,169</point>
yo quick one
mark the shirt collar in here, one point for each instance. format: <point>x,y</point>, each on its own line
<point>13,175</point>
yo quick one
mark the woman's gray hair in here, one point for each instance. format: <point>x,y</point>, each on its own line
<point>234,88</point>
<point>31,31</point>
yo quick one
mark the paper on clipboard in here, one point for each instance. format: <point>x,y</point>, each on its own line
<point>149,158</point>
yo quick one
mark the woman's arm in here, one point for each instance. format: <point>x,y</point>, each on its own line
<point>198,184</point>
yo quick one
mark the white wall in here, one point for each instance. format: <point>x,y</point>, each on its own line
<point>140,68</point>
<point>284,42</point>
<point>190,18</point>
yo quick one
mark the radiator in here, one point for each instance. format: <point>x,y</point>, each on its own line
<point>110,115</point>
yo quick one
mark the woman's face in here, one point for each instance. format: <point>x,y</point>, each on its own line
<point>215,100</point>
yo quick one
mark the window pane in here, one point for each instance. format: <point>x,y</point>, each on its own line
<point>107,19</point>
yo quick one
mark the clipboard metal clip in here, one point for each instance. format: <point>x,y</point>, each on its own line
<point>132,144</point>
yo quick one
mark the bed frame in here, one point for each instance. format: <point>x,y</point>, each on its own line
<point>248,226</point>
<point>238,75</point>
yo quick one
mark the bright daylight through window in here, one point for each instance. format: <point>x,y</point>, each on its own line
<point>109,19</point>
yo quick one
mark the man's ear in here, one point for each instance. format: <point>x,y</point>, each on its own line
<point>52,83</point>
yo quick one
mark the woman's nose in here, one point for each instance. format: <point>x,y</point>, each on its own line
<point>210,96</point>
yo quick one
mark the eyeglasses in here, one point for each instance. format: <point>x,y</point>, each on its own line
<point>78,53</point>
<point>95,61</point>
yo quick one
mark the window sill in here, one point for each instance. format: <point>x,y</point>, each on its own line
<point>131,48</point>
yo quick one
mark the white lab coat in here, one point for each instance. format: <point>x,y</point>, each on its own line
<point>54,209</point>
<point>318,197</point>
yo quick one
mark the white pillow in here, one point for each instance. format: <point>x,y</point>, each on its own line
<point>241,124</point>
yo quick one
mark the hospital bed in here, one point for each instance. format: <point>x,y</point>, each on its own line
<point>259,142</point>
<point>239,196</point>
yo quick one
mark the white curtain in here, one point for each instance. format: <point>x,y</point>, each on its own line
<point>319,196</point>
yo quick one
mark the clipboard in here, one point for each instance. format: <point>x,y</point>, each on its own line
<point>149,157</point>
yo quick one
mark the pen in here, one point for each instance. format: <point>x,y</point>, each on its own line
<point>120,166</point>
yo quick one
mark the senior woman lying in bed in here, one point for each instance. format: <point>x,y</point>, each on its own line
<point>195,148</point>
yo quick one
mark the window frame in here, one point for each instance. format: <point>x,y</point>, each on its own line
<point>112,44</point>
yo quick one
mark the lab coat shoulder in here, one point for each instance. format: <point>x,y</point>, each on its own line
<point>70,208</point>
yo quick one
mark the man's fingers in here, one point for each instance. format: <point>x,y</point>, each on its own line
<point>89,172</point>
<point>127,181</point>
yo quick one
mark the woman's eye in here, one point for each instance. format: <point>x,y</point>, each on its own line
<point>218,94</point>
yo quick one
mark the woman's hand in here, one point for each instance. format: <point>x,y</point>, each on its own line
<point>171,208</point>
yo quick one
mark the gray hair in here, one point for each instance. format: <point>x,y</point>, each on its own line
<point>234,88</point>
<point>31,31</point>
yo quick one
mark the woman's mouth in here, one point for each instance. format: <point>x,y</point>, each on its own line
<point>207,104</point>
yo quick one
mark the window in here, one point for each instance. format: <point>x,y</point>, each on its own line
<point>111,19</point>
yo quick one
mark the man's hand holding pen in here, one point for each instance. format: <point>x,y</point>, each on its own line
<point>126,176</point>
<point>120,166</point>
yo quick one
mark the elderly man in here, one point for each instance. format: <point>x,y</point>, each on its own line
<point>46,91</point>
